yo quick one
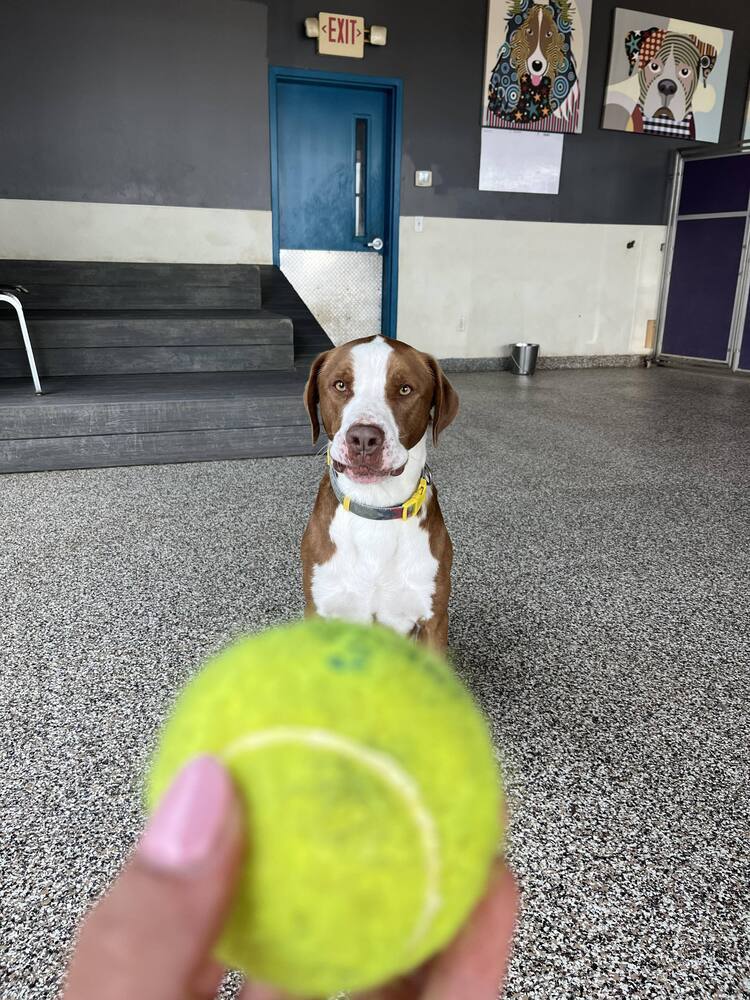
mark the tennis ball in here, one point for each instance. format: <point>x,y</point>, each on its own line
<point>371,793</point>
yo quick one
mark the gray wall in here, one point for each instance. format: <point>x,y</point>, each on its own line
<point>134,101</point>
<point>606,176</point>
<point>165,102</point>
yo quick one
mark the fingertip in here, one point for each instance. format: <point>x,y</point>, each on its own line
<point>190,820</point>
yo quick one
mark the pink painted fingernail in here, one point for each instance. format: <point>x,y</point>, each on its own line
<point>190,817</point>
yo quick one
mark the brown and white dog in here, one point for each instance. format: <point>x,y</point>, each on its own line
<point>376,547</point>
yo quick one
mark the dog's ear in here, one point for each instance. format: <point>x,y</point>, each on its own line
<point>707,59</point>
<point>312,394</point>
<point>558,59</point>
<point>444,399</point>
<point>634,42</point>
<point>519,51</point>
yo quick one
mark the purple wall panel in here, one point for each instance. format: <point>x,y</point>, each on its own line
<point>702,288</point>
<point>719,184</point>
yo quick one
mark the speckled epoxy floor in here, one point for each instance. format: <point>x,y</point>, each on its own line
<point>600,613</point>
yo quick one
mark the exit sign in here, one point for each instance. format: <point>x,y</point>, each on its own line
<point>341,35</point>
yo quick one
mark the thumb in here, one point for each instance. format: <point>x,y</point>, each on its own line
<point>151,935</point>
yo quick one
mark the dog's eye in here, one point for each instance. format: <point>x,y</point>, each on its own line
<point>684,71</point>
<point>529,31</point>
<point>654,67</point>
<point>549,34</point>
<point>339,385</point>
<point>405,390</point>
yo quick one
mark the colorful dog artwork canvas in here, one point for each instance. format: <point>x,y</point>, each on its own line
<point>666,77</point>
<point>535,64</point>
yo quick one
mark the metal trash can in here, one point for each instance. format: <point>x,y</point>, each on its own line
<point>523,358</point>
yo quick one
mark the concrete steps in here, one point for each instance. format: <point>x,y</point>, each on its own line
<point>93,422</point>
<point>157,448</point>
<point>152,363</point>
<point>96,342</point>
<point>310,339</point>
<point>102,285</point>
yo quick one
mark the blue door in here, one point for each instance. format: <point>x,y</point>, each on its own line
<point>335,177</point>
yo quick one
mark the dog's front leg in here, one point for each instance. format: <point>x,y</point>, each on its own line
<point>433,632</point>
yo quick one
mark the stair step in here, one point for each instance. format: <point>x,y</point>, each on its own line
<point>158,448</point>
<point>87,422</point>
<point>95,272</point>
<point>103,285</point>
<point>102,343</point>
<point>278,294</point>
<point>128,404</point>
<point>139,297</point>
<point>148,360</point>
<point>147,329</point>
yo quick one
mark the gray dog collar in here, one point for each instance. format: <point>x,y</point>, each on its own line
<point>401,512</point>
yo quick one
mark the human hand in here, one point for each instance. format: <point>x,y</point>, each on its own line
<point>152,934</point>
<point>473,965</point>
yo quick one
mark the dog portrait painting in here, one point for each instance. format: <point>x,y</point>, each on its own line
<point>535,68</point>
<point>667,77</point>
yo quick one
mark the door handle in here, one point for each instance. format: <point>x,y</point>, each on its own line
<point>376,244</point>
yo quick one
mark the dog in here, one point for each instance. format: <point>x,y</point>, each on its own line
<point>669,66</point>
<point>376,547</point>
<point>534,84</point>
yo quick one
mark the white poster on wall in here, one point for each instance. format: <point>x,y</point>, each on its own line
<point>520,161</point>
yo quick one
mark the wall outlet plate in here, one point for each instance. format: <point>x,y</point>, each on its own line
<point>423,178</point>
<point>418,223</point>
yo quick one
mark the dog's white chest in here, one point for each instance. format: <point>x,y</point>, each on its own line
<point>381,571</point>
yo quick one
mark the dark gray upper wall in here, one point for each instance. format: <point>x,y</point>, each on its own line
<point>135,101</point>
<point>165,102</point>
<point>438,51</point>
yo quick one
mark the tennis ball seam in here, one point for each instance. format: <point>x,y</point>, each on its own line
<point>387,770</point>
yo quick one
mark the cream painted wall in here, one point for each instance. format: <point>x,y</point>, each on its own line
<point>76,230</point>
<point>469,287</point>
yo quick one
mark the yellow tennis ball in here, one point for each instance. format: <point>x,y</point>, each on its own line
<point>371,793</point>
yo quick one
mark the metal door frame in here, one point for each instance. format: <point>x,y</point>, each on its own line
<point>742,291</point>
<point>393,88</point>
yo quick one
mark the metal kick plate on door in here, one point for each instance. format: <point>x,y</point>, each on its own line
<point>341,288</point>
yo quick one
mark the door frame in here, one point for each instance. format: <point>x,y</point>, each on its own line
<point>734,345</point>
<point>393,88</point>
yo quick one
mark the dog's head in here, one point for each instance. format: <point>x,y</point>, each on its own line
<point>376,398</point>
<point>537,46</point>
<point>669,66</point>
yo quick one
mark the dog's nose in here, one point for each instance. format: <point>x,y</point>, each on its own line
<point>537,65</point>
<point>364,440</point>
<point>667,87</point>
